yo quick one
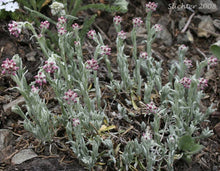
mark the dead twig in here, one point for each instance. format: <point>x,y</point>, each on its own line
<point>188,22</point>
<point>130,128</point>
<point>17,151</point>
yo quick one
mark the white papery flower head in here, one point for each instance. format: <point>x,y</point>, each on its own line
<point>6,1</point>
<point>12,6</point>
<point>57,8</point>
<point>9,5</point>
<point>1,5</point>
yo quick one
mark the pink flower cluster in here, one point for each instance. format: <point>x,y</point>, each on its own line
<point>14,28</point>
<point>62,20</point>
<point>40,78</point>
<point>151,6</point>
<point>70,96</point>
<point>62,31</point>
<point>61,26</point>
<point>212,61</point>
<point>117,20</point>
<point>122,35</point>
<point>91,34</point>
<point>147,135</point>
<point>44,25</point>
<point>34,89</point>
<point>203,83</point>
<point>143,55</point>
<point>92,64</point>
<point>105,50</point>
<point>171,139</point>
<point>76,122</point>
<point>183,48</point>
<point>157,28</point>
<point>75,27</point>
<point>151,108</point>
<point>50,67</point>
<point>185,82</point>
<point>137,22</point>
<point>188,63</point>
<point>76,43</point>
<point>9,67</point>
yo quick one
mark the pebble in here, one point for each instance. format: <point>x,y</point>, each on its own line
<point>182,23</point>
<point>5,138</point>
<point>205,26</point>
<point>216,23</point>
<point>19,100</point>
<point>31,56</point>
<point>182,38</point>
<point>4,153</point>
<point>207,6</point>
<point>23,156</point>
<point>165,36</point>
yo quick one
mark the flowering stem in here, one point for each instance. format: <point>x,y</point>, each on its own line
<point>134,42</point>
<point>98,90</point>
<point>149,36</point>
<point>108,67</point>
<point>182,66</point>
<point>138,76</point>
<point>40,40</point>
<point>63,57</point>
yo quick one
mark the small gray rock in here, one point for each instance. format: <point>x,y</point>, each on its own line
<point>164,20</point>
<point>205,27</point>
<point>31,56</point>
<point>5,137</point>
<point>182,38</point>
<point>216,23</point>
<point>207,6</point>
<point>182,23</point>
<point>19,100</point>
<point>23,156</point>
<point>165,36</point>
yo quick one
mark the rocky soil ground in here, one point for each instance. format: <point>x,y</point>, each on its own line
<point>196,27</point>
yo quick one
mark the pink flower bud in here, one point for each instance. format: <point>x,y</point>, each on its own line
<point>50,67</point>
<point>92,64</point>
<point>143,55</point>
<point>40,78</point>
<point>91,34</point>
<point>105,50</point>
<point>202,83</point>
<point>70,96</point>
<point>157,28</point>
<point>62,31</point>
<point>188,63</point>
<point>151,108</point>
<point>212,61</point>
<point>137,22</point>
<point>14,28</point>
<point>185,82</point>
<point>76,122</point>
<point>75,26</point>
<point>9,67</point>
<point>44,25</point>
<point>151,6</point>
<point>117,20</point>
<point>122,35</point>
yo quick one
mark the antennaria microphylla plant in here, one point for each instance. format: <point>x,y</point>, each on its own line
<point>170,128</point>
